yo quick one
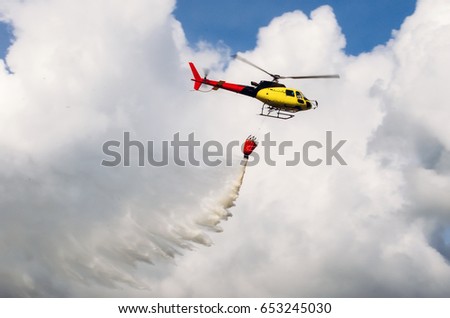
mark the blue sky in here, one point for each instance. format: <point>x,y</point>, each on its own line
<point>5,38</point>
<point>365,23</point>
<point>236,23</point>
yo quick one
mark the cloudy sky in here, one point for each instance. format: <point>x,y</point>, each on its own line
<point>80,73</point>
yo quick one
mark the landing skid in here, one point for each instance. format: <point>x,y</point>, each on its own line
<point>273,112</point>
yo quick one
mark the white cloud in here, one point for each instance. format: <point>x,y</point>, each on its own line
<point>85,72</point>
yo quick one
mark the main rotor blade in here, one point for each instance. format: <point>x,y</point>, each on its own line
<point>276,77</point>
<point>311,76</point>
<point>238,57</point>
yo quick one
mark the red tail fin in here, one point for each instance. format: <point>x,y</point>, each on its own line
<point>197,79</point>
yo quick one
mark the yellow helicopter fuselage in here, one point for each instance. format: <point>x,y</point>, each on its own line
<point>284,98</point>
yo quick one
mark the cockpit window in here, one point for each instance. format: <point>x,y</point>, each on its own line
<point>299,97</point>
<point>290,93</point>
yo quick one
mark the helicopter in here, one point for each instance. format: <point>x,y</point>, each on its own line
<point>278,101</point>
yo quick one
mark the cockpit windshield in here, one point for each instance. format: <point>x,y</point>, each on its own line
<point>299,97</point>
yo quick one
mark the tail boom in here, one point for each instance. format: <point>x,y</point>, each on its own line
<point>237,88</point>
